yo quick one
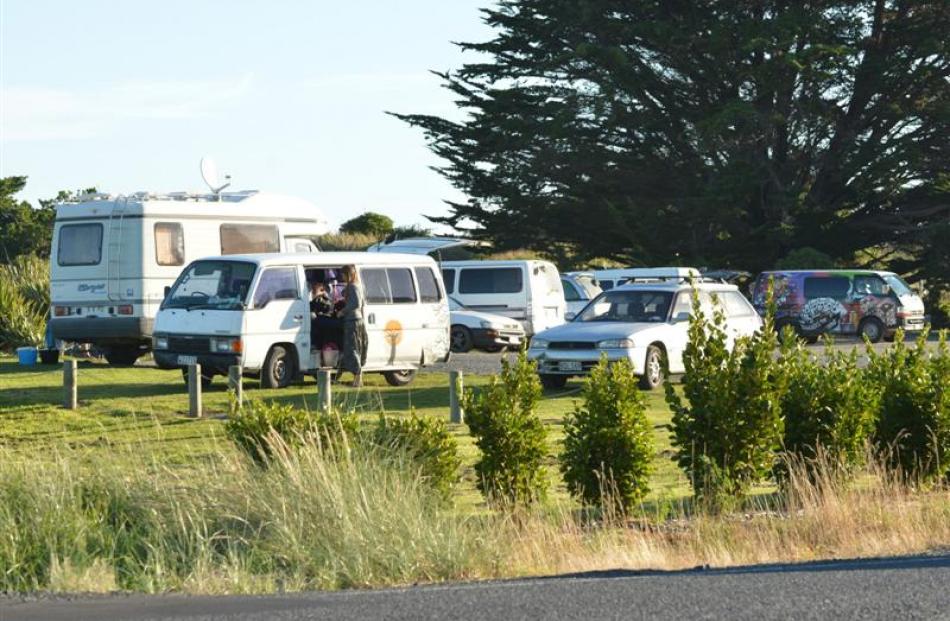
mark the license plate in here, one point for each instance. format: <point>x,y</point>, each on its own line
<point>187,360</point>
<point>569,365</point>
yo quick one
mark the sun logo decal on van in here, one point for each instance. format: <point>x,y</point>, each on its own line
<point>392,332</point>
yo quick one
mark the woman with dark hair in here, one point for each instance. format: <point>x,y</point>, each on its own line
<point>354,326</point>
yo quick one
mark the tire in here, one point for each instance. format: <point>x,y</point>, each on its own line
<point>460,339</point>
<point>400,378</point>
<point>553,382</point>
<point>652,369</point>
<point>494,349</point>
<point>206,378</point>
<point>280,368</point>
<point>123,356</point>
<point>871,329</point>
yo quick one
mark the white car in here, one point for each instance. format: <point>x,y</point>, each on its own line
<point>638,322</point>
<point>475,329</point>
<point>579,289</point>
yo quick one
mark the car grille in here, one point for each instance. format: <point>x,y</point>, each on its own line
<point>572,345</point>
<point>189,344</point>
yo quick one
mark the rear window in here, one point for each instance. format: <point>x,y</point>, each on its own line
<point>570,293</point>
<point>735,304</point>
<point>428,285</point>
<point>169,243</point>
<point>491,280</point>
<point>249,238</point>
<point>80,244</point>
<point>448,278</point>
<point>835,287</point>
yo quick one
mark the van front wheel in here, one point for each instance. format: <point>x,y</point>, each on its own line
<point>872,329</point>
<point>279,369</point>
<point>400,378</point>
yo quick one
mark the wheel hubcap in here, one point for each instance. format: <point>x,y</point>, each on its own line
<point>654,368</point>
<point>280,370</point>
<point>872,331</point>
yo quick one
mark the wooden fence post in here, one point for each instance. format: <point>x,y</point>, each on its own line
<point>234,383</point>
<point>70,381</point>
<point>324,391</point>
<point>194,390</point>
<point>456,415</point>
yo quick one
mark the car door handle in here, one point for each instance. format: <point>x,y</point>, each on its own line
<point>371,318</point>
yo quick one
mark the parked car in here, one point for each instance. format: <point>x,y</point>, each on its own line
<point>866,303</point>
<point>253,311</point>
<point>579,289</point>
<point>473,329</point>
<point>639,322</point>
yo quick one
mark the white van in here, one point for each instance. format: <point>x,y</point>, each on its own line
<point>112,257</point>
<point>610,278</point>
<point>529,291</point>
<point>254,311</point>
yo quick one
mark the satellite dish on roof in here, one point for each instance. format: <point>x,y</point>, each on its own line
<point>209,172</point>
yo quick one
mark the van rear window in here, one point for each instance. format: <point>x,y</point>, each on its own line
<point>491,280</point>
<point>80,244</point>
<point>835,287</point>
<point>428,285</point>
<point>249,238</point>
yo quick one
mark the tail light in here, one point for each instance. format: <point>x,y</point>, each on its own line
<point>125,309</point>
<point>60,311</point>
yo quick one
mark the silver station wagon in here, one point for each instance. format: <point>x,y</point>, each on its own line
<point>638,321</point>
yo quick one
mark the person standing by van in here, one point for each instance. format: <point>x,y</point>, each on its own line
<point>354,325</point>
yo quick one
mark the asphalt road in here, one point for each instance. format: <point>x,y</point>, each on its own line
<point>894,588</point>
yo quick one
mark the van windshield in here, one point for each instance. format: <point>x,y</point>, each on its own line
<point>216,285</point>
<point>628,307</point>
<point>897,285</point>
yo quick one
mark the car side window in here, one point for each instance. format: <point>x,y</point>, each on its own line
<point>428,285</point>
<point>869,285</point>
<point>570,293</point>
<point>735,304</point>
<point>684,304</point>
<point>448,278</point>
<point>276,283</point>
<point>376,286</point>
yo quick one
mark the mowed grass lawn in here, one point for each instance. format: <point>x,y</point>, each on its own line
<point>145,410</point>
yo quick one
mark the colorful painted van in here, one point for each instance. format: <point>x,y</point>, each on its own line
<point>865,303</point>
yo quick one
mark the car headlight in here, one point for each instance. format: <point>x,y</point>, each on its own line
<point>488,324</point>
<point>160,342</point>
<point>539,344</point>
<point>226,345</point>
<point>615,344</point>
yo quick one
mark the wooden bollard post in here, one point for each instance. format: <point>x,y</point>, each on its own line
<point>456,415</point>
<point>194,390</point>
<point>324,391</point>
<point>70,380</point>
<point>234,383</point>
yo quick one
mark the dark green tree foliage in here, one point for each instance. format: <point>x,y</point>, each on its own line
<point>913,425</point>
<point>427,441</point>
<point>509,434</point>
<point>608,442</point>
<point>829,403</point>
<point>727,424</point>
<point>369,223</point>
<point>701,131</point>
<point>23,230</point>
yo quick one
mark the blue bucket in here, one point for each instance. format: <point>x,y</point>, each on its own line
<point>26,356</point>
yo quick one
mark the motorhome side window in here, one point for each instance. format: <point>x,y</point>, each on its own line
<point>428,285</point>
<point>169,243</point>
<point>835,287</point>
<point>80,244</point>
<point>249,238</point>
<point>448,277</point>
<point>276,283</point>
<point>491,280</point>
<point>392,285</point>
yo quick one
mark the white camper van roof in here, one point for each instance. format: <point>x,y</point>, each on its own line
<point>419,245</point>
<point>659,273</point>
<point>248,205</point>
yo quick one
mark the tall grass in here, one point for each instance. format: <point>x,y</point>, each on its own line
<point>24,301</point>
<point>358,517</point>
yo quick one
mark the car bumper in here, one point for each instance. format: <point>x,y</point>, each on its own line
<point>580,362</point>
<point>216,363</point>
<point>104,330</point>
<point>485,338</point>
<point>912,324</point>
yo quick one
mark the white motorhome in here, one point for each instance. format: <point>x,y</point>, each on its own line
<point>254,311</point>
<point>113,256</point>
<point>529,291</point>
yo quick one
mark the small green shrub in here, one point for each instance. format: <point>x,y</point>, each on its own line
<point>24,302</point>
<point>511,437</point>
<point>255,425</point>
<point>727,424</point>
<point>913,424</point>
<point>608,444</point>
<point>829,405</point>
<point>427,441</point>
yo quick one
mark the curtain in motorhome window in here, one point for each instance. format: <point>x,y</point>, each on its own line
<point>249,238</point>
<point>80,244</point>
<point>491,280</point>
<point>169,243</point>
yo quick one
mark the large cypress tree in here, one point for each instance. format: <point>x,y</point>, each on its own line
<point>701,131</point>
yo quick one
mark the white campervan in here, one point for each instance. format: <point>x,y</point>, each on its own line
<point>112,257</point>
<point>254,311</point>
<point>529,291</point>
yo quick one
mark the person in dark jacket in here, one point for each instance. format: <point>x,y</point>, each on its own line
<point>354,325</point>
<point>324,326</point>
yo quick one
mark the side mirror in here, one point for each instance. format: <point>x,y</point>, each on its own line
<point>569,316</point>
<point>681,317</point>
<point>168,290</point>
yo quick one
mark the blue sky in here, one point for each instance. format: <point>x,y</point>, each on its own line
<point>287,96</point>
